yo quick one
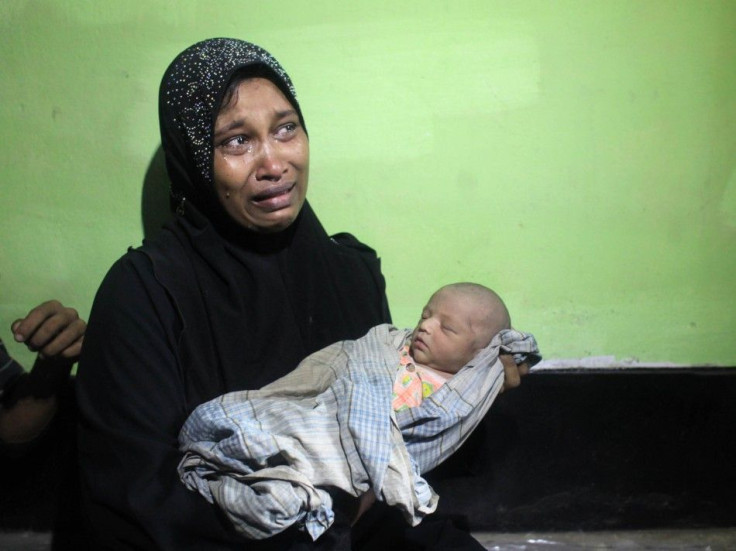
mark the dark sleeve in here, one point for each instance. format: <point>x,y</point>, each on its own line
<point>10,372</point>
<point>373,263</point>
<point>132,404</point>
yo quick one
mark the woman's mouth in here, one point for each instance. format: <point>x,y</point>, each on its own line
<point>275,197</point>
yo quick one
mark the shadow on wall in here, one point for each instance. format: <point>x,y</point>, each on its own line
<point>155,207</point>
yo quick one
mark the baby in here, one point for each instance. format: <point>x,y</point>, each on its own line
<point>459,320</point>
<point>369,415</point>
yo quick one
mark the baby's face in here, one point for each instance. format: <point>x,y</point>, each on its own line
<point>446,337</point>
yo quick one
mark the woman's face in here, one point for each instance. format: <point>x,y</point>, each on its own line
<point>261,157</point>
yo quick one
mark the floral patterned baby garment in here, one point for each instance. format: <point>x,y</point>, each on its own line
<point>413,382</point>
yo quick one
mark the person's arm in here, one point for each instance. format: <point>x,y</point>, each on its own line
<point>132,403</point>
<point>56,332</point>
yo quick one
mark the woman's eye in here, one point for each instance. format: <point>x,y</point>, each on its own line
<point>287,130</point>
<point>236,143</point>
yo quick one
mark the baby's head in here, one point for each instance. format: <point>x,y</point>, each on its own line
<point>458,321</point>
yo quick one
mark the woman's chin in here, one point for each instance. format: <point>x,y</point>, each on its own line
<point>271,222</point>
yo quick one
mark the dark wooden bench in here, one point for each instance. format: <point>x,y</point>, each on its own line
<point>572,450</point>
<point>601,450</point>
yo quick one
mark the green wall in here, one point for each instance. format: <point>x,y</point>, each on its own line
<point>577,156</point>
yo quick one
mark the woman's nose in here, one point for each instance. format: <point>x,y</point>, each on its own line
<point>270,164</point>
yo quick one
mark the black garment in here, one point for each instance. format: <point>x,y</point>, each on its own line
<point>181,320</point>
<point>205,308</point>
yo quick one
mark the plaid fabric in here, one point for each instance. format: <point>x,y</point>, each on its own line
<point>437,427</point>
<point>266,457</point>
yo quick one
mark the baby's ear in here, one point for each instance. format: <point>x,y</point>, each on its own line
<point>479,345</point>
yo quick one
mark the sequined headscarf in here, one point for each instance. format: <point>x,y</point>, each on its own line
<point>190,95</point>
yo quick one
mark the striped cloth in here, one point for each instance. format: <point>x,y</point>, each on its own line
<point>268,456</point>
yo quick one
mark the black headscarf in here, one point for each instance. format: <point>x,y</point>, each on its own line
<point>190,96</point>
<point>252,305</point>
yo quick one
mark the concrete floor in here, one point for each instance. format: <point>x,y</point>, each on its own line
<point>710,539</point>
<point>25,541</point>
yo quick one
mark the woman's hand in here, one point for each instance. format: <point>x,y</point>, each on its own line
<point>512,372</point>
<point>52,330</point>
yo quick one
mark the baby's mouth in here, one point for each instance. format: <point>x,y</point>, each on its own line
<point>420,342</point>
